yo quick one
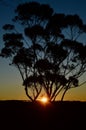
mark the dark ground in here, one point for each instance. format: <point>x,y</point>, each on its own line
<point>18,115</point>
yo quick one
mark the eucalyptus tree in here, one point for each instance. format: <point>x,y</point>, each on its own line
<point>45,49</point>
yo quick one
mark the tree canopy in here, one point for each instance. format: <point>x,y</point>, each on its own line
<point>47,51</point>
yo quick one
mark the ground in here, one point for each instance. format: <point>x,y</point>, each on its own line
<point>18,115</point>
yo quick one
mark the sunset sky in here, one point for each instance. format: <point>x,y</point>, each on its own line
<point>10,81</point>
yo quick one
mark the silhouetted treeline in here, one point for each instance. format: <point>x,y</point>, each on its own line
<point>47,49</point>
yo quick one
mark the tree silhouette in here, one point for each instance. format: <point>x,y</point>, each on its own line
<point>47,52</point>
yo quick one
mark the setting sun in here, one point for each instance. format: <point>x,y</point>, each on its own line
<point>44,99</point>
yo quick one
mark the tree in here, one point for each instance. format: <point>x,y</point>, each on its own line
<point>47,52</point>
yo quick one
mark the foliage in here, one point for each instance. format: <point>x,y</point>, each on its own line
<point>47,52</point>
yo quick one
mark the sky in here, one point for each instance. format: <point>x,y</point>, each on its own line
<point>10,81</point>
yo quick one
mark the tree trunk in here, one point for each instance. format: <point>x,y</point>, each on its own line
<point>26,91</point>
<point>64,94</point>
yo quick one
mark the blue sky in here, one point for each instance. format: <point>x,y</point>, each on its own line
<point>10,81</point>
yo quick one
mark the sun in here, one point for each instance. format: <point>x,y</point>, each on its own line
<point>44,99</point>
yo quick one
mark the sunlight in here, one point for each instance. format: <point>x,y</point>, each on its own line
<point>44,99</point>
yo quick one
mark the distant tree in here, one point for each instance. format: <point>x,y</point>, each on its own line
<point>47,52</point>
